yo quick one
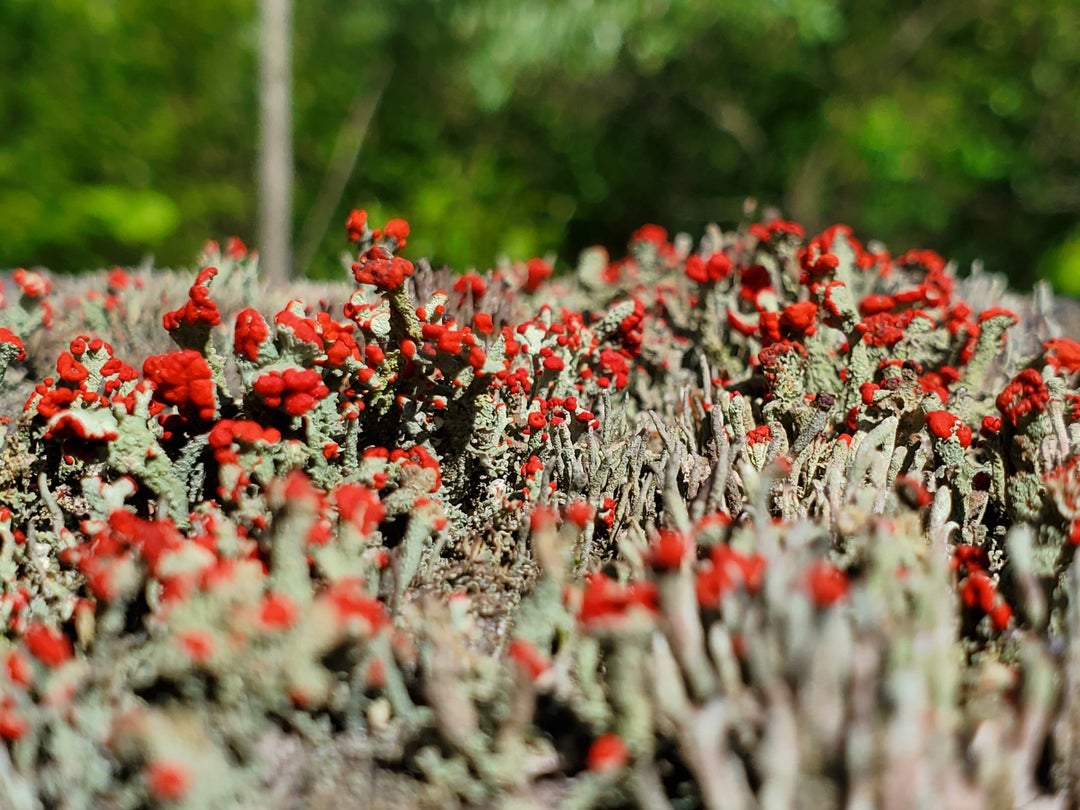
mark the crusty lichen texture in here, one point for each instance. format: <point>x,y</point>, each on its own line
<point>765,521</point>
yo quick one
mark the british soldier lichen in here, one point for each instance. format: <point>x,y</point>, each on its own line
<point>714,524</point>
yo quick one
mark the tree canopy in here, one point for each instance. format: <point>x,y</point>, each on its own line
<point>519,128</point>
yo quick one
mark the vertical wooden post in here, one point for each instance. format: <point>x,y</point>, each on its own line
<point>275,140</point>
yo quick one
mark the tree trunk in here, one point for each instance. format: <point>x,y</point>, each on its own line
<point>275,140</point>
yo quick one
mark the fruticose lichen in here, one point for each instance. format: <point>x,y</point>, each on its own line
<point>771,522</point>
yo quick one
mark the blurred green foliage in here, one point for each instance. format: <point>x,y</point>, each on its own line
<point>525,126</point>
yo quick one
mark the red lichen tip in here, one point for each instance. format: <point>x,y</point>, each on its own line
<point>945,425</point>
<point>670,550</point>
<point>1063,354</point>
<point>167,780</point>
<point>537,271</point>
<point>398,230</point>
<point>183,379</point>
<point>295,390</point>
<point>47,644</point>
<point>31,283</point>
<point>605,601</point>
<point>359,506</point>
<point>799,320</point>
<point>580,513</point>
<point>531,661</point>
<point>380,269</point>
<point>1025,394</point>
<point>607,753</point>
<point>826,583</point>
<point>998,312</point>
<point>200,309</point>
<point>250,332</point>
<point>707,271</point>
<point>655,234</point>
<point>356,224</point>
<point>11,339</point>
<point>277,612</point>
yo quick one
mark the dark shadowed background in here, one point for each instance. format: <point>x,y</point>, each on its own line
<point>520,127</point>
